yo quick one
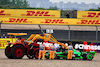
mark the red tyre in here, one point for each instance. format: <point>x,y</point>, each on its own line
<point>36,54</point>
<point>18,51</point>
<point>8,52</point>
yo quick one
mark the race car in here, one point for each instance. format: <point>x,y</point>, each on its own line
<point>77,55</point>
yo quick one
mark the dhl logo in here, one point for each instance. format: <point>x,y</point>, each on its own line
<point>90,22</point>
<point>3,14</point>
<point>18,20</point>
<point>55,21</point>
<point>37,13</point>
<point>92,14</point>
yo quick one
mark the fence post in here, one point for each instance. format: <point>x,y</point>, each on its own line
<point>69,33</point>
<point>96,33</point>
<point>0,28</point>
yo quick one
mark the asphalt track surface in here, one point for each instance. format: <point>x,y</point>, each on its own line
<point>25,62</point>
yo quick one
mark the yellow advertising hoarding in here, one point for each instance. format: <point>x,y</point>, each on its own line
<point>88,14</point>
<point>3,42</point>
<point>29,13</point>
<point>50,21</point>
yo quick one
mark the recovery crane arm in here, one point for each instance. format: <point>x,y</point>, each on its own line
<point>47,37</point>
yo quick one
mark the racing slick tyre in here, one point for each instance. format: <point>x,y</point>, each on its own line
<point>36,54</point>
<point>31,54</point>
<point>89,56</point>
<point>46,55</point>
<point>18,51</point>
<point>84,57</point>
<point>8,52</point>
<point>57,57</point>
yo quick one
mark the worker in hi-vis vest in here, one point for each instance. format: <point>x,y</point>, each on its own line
<point>70,51</point>
<point>42,51</point>
<point>52,52</point>
<point>18,40</point>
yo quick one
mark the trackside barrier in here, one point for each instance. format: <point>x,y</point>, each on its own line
<point>50,21</point>
<point>76,45</point>
<point>88,14</point>
<point>3,42</point>
<point>29,13</point>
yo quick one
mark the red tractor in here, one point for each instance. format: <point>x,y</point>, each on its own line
<point>18,50</point>
<point>31,49</point>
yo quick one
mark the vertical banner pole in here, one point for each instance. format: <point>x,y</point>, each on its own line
<point>0,27</point>
<point>96,33</point>
<point>69,33</point>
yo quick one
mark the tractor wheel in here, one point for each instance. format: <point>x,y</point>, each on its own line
<point>18,51</point>
<point>30,57</point>
<point>8,52</point>
<point>31,54</point>
<point>89,56</point>
<point>36,54</point>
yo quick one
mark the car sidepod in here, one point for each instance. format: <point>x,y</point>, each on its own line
<point>76,55</point>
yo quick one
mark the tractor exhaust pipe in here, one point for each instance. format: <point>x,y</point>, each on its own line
<point>41,29</point>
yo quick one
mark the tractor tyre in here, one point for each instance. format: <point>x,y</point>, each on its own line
<point>30,57</point>
<point>18,51</point>
<point>36,54</point>
<point>31,54</point>
<point>8,52</point>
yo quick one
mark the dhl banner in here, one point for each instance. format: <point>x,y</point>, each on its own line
<point>50,21</point>
<point>3,42</point>
<point>88,14</point>
<point>29,13</point>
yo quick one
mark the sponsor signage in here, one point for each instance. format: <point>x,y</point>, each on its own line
<point>4,41</point>
<point>88,14</point>
<point>29,13</point>
<point>49,21</point>
<point>90,47</point>
<point>78,46</point>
